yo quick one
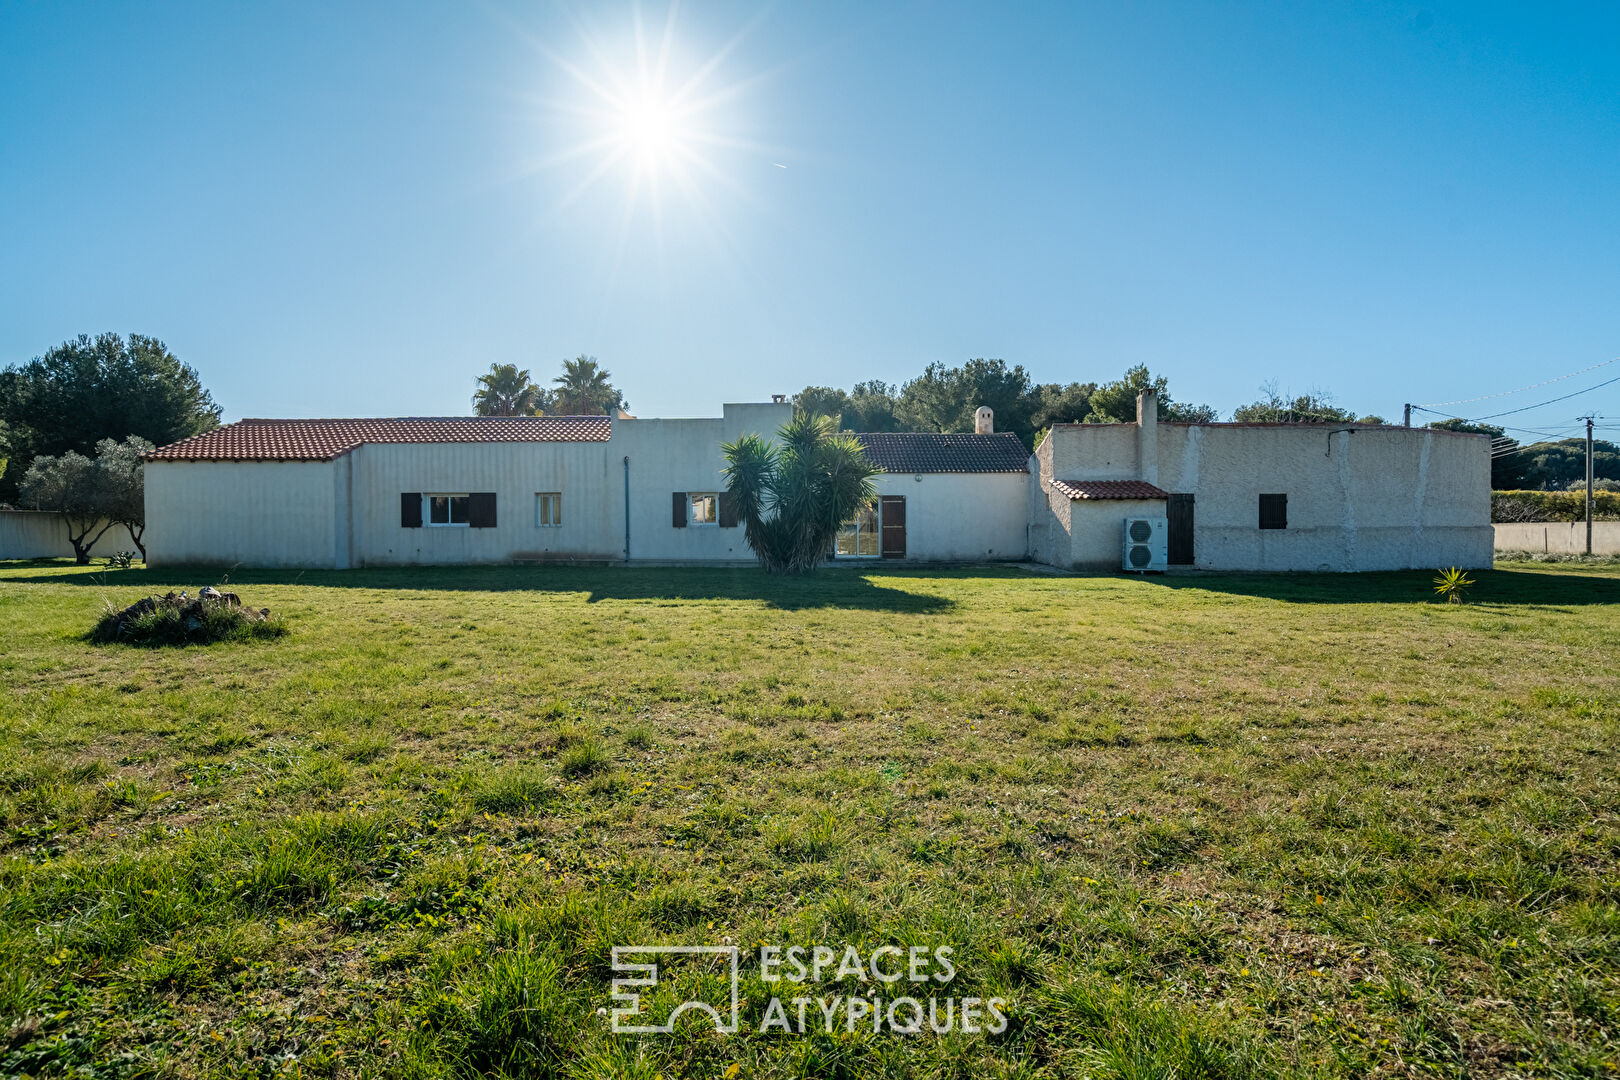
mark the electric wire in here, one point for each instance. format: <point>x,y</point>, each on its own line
<point>1527,408</point>
<point>1509,393</point>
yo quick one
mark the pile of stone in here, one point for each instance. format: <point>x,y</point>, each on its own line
<point>191,609</point>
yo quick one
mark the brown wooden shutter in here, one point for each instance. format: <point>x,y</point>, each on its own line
<point>678,513</point>
<point>1180,512</point>
<point>410,509</point>
<point>894,526</point>
<point>481,510</point>
<point>1274,511</point>
<point>727,511</point>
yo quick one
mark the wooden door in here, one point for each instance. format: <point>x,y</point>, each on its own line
<point>894,526</point>
<point>1180,513</point>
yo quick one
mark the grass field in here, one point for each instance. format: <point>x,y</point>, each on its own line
<point>1230,826</point>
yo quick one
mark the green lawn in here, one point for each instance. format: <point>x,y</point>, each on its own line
<point>1185,826</point>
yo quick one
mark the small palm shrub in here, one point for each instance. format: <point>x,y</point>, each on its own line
<point>1452,584</point>
<point>792,498</point>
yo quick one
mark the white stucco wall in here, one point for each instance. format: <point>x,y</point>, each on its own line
<point>962,517</point>
<point>37,534</point>
<point>665,456</point>
<point>1097,530</point>
<point>249,513</point>
<point>1375,498</point>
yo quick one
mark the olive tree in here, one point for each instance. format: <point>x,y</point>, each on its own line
<point>92,495</point>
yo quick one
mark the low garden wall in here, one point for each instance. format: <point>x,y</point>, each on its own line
<point>1560,537</point>
<point>38,534</point>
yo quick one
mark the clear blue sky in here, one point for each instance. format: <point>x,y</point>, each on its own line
<point>352,209</point>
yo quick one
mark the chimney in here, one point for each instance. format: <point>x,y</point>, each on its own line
<point>778,399</point>
<point>984,420</point>
<point>1147,436</point>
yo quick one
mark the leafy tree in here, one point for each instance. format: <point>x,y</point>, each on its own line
<point>508,391</point>
<point>69,485</point>
<point>872,407</point>
<point>1057,403</point>
<point>90,389</point>
<point>792,498</point>
<point>1557,466</point>
<point>1115,403</point>
<point>583,389</point>
<point>823,401</point>
<point>121,480</point>
<point>5,446</point>
<point>945,398</point>
<point>1273,408</point>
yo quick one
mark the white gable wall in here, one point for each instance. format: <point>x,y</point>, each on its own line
<point>962,517</point>
<point>247,513</point>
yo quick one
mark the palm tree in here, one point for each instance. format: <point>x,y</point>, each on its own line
<point>583,389</point>
<point>810,485</point>
<point>506,391</point>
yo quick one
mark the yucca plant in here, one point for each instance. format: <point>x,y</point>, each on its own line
<point>1452,583</point>
<point>792,498</point>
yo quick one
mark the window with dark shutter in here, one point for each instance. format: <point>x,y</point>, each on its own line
<point>1274,511</point>
<point>678,514</point>
<point>481,509</point>
<point>728,511</point>
<point>410,510</point>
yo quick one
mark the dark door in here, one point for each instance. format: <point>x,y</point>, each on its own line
<point>1180,513</point>
<point>894,526</point>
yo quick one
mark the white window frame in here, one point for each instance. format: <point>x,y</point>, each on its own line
<point>695,499</point>
<point>877,531</point>
<point>548,510</point>
<point>449,509</point>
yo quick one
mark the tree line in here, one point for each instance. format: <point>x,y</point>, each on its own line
<point>944,399</point>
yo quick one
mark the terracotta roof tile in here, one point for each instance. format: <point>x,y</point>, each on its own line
<point>323,440</point>
<point>1109,489</point>
<point>924,452</point>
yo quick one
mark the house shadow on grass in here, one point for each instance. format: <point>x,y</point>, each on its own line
<point>1492,588</point>
<point>830,588</point>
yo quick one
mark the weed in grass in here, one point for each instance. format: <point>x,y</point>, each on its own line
<point>583,757</point>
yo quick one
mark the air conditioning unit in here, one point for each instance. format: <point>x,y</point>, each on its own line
<point>1147,546</point>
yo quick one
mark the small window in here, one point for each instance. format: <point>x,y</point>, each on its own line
<point>446,509</point>
<point>1274,511</point>
<point>703,508</point>
<point>548,509</point>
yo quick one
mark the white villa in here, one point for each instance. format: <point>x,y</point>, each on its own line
<point>336,494</point>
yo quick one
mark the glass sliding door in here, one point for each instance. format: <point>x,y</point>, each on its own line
<point>861,538</point>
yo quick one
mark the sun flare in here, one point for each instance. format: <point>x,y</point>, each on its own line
<point>634,111</point>
<point>648,128</point>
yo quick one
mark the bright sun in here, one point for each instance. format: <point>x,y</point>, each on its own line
<point>649,129</point>
<point>638,112</point>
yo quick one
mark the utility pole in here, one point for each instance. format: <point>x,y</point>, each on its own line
<point>1589,498</point>
<point>1408,421</point>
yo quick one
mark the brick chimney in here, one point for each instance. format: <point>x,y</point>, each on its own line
<point>1147,436</point>
<point>984,420</point>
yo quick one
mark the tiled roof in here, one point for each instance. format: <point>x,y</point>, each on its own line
<point>323,440</point>
<point>1109,489</point>
<point>923,452</point>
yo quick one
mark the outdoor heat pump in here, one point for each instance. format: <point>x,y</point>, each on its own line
<point>1146,544</point>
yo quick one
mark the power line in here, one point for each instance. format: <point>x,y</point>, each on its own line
<point>1527,408</point>
<point>1520,390</point>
